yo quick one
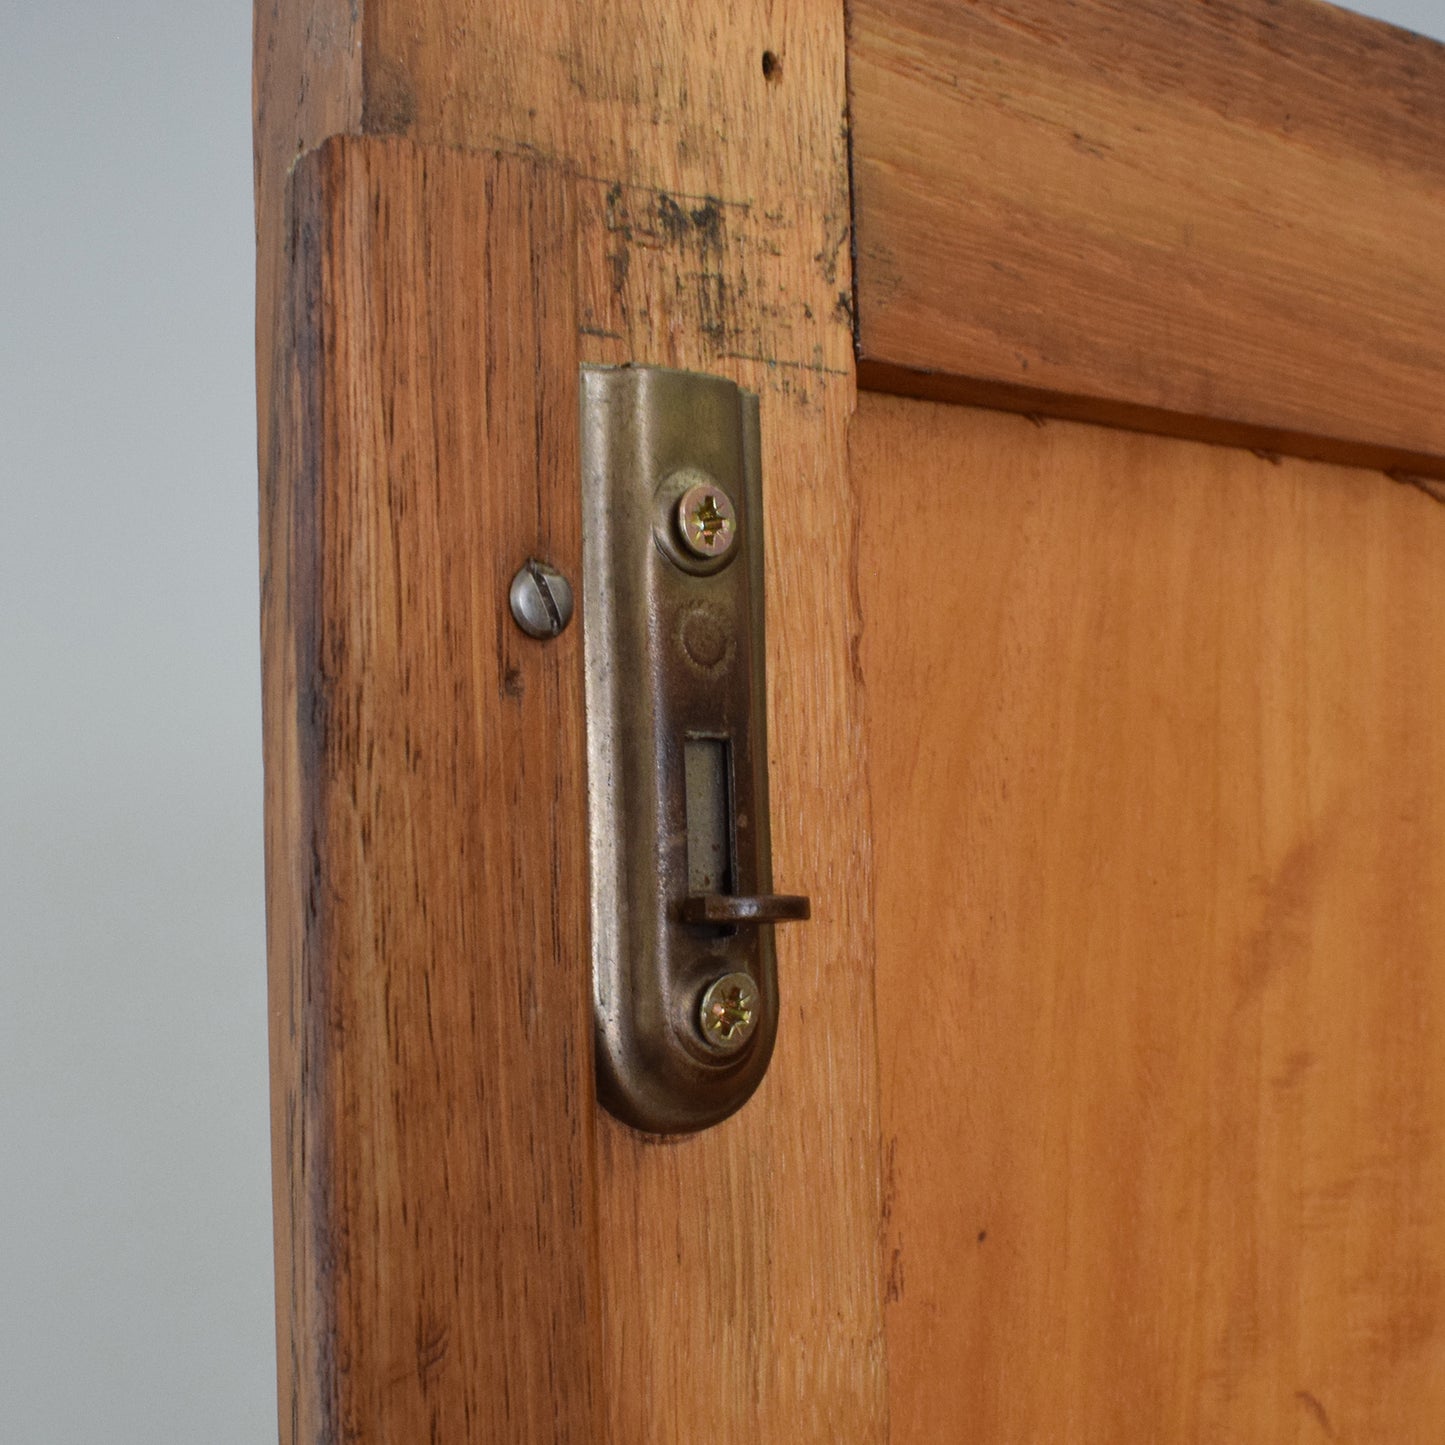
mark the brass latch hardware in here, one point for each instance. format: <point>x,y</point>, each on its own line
<point>685,984</point>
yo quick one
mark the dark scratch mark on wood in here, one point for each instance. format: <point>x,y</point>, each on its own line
<point>893,1290</point>
<point>814,366</point>
<point>1432,487</point>
<point>1318,1411</point>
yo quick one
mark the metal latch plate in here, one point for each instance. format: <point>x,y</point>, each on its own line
<point>684,974</point>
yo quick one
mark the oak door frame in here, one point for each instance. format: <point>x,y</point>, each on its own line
<point>703,153</point>
<point>700,156</point>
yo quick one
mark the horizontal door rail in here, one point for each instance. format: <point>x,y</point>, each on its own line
<point>1215,221</point>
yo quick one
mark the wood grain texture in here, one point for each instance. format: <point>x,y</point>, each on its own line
<point>738,1274</point>
<point>1213,220</point>
<point>1159,798</point>
<point>302,91</point>
<point>305,86</point>
<point>427,880</point>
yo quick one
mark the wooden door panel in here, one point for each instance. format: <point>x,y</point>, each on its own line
<point>1158,786</point>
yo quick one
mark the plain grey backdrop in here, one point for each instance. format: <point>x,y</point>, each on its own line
<point>135,1250</point>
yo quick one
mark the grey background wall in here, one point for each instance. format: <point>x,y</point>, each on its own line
<point>1425,16</point>
<point>135,1255</point>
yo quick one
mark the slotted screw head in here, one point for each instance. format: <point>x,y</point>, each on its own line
<point>707,520</point>
<point>541,599</point>
<point>729,1012</point>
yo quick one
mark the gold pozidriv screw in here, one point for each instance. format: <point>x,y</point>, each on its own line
<point>707,520</point>
<point>729,1012</point>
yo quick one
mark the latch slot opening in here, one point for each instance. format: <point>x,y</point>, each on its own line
<point>711,832</point>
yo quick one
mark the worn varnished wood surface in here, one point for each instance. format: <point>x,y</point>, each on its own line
<point>305,86</point>
<point>1158,896</point>
<point>1158,785</point>
<point>431,1035</point>
<point>738,1274</point>
<point>1217,220</point>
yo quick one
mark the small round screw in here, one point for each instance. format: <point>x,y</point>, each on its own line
<point>707,520</point>
<point>541,599</point>
<point>729,1012</point>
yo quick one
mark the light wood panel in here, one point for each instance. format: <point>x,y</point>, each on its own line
<point>738,1271</point>
<point>427,878</point>
<point>1158,785</point>
<point>1212,220</point>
